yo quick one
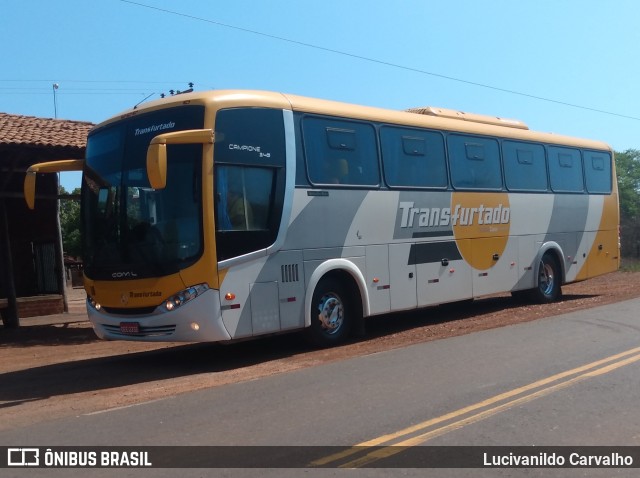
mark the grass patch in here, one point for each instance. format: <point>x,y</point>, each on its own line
<point>630,264</point>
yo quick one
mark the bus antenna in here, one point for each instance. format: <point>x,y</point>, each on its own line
<point>142,101</point>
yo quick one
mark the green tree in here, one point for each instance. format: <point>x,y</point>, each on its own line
<point>628,170</point>
<point>70,224</point>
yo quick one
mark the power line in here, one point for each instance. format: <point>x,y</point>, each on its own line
<point>36,89</point>
<point>95,90</point>
<point>72,93</point>
<point>30,87</point>
<point>381,62</point>
<point>141,82</point>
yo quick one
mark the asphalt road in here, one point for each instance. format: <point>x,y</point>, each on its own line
<point>570,380</point>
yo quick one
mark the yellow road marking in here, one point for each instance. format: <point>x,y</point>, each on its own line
<point>585,371</point>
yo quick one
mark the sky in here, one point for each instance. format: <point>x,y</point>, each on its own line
<point>565,66</point>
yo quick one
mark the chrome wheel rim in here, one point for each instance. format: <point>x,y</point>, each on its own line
<point>546,279</point>
<point>331,313</point>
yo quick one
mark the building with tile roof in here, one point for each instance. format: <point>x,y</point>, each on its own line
<point>31,131</point>
<point>31,267</point>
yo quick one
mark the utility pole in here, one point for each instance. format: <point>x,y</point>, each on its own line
<point>55,101</point>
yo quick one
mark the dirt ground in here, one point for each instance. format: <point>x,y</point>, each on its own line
<point>56,366</point>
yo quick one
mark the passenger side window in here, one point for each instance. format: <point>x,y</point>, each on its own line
<point>525,167</point>
<point>597,171</point>
<point>244,197</point>
<point>565,169</point>
<point>413,158</point>
<point>340,152</point>
<point>474,162</point>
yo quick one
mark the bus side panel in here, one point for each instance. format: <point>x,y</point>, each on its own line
<point>503,274</point>
<point>577,265</point>
<point>578,269</point>
<point>265,310</point>
<point>443,275</point>
<point>243,281</point>
<point>527,251</point>
<point>571,254</point>
<point>530,219</point>
<point>402,277</point>
<point>269,295</point>
<point>602,254</point>
<point>571,217</point>
<point>378,280</point>
<point>236,311</point>
<point>292,289</point>
<point>603,257</point>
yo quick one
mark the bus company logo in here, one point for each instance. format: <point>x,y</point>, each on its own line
<point>457,215</point>
<point>154,128</point>
<point>144,294</point>
<point>23,457</point>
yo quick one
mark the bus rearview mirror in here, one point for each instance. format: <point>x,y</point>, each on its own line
<point>30,189</point>
<point>157,152</point>
<point>157,165</point>
<point>48,167</point>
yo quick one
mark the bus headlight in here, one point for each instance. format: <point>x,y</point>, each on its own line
<point>93,303</point>
<point>184,296</point>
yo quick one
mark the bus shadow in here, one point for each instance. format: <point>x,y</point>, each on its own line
<point>95,374</point>
<point>102,373</point>
<point>46,335</point>
<point>387,324</point>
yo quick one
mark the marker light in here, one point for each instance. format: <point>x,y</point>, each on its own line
<point>185,296</point>
<point>229,296</point>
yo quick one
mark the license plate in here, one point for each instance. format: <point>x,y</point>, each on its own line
<point>129,328</point>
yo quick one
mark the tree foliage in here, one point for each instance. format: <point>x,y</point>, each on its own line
<point>70,224</point>
<point>628,170</point>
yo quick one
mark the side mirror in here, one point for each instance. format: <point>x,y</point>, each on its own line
<point>157,152</point>
<point>49,167</point>
<point>157,165</point>
<point>30,189</point>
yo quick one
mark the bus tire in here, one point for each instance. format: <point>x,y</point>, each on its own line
<point>548,282</point>
<point>332,313</point>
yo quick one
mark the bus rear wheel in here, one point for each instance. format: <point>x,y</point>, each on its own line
<point>332,313</point>
<point>548,283</point>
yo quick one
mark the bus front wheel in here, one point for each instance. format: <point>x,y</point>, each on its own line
<point>548,284</point>
<point>332,313</point>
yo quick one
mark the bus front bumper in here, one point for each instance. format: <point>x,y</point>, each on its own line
<point>199,320</point>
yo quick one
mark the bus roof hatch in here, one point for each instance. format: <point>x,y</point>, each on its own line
<point>461,115</point>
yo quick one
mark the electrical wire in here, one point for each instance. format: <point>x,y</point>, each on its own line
<point>91,81</point>
<point>380,62</point>
<point>81,90</point>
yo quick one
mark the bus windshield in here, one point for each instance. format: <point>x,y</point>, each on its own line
<point>131,230</point>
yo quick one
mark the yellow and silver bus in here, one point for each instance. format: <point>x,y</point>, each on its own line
<point>225,215</point>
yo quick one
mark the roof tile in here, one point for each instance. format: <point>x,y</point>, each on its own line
<point>32,131</point>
